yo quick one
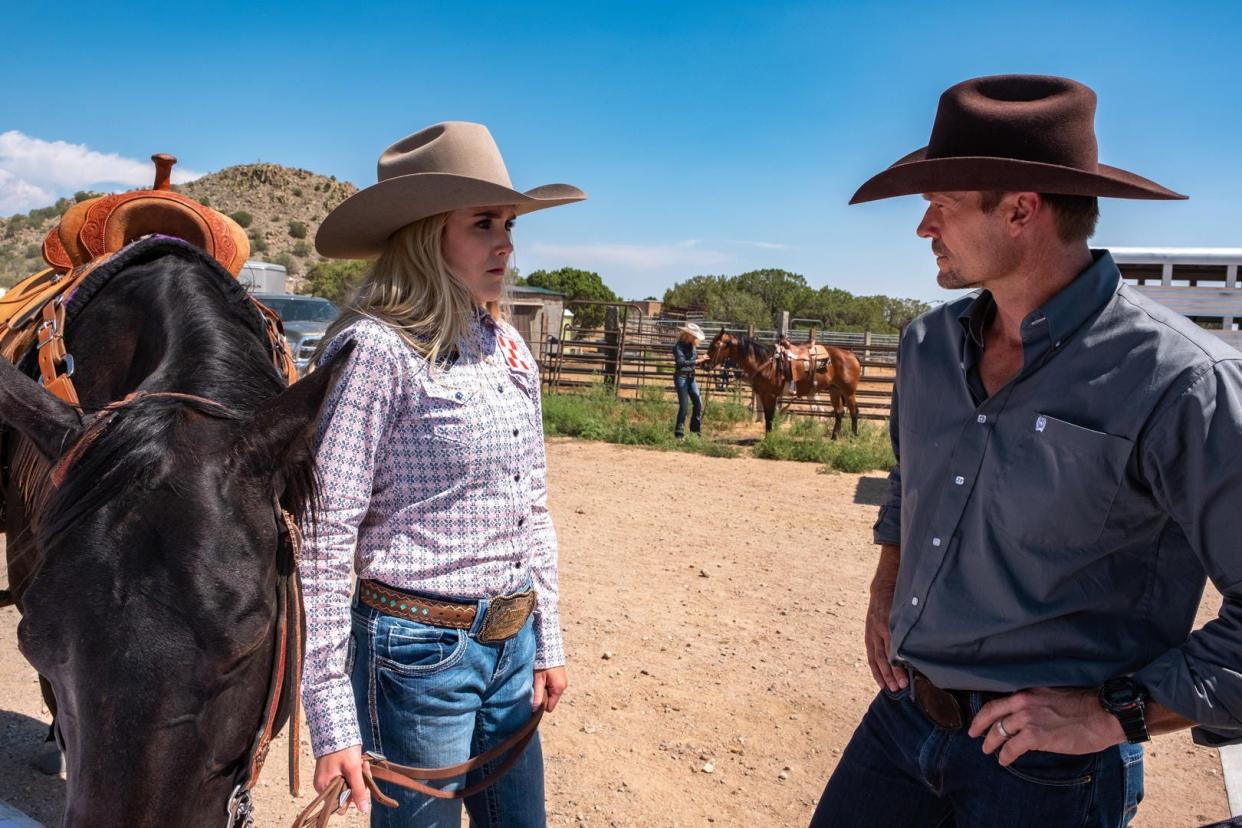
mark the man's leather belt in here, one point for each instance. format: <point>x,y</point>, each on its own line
<point>505,615</point>
<point>947,709</point>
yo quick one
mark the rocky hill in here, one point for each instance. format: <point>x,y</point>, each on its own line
<point>280,207</point>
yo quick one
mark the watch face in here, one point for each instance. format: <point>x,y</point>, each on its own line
<point>1119,693</point>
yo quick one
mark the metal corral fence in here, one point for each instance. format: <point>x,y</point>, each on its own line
<point>630,353</point>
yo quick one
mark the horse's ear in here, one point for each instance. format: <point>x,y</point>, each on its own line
<point>279,433</point>
<point>36,414</point>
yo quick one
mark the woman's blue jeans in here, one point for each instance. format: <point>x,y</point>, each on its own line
<point>900,769</point>
<point>433,697</point>
<point>687,393</point>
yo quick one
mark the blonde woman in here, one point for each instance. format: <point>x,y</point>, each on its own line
<point>686,359</point>
<point>434,493</point>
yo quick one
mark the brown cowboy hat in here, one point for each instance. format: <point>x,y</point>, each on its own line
<point>444,167</point>
<point>1014,133</point>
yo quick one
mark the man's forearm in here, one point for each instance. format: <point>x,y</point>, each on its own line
<point>886,568</point>
<point>1160,719</point>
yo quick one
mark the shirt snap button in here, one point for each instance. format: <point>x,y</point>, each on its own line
<point>959,480</point>
<point>982,418</point>
<point>914,602</point>
<point>935,541</point>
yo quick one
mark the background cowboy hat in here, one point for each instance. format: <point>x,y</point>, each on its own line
<point>1031,133</point>
<point>444,167</point>
<point>692,329</point>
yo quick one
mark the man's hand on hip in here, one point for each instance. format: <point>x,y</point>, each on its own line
<point>876,634</point>
<point>1052,720</point>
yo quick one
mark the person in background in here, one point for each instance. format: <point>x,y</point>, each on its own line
<point>687,359</point>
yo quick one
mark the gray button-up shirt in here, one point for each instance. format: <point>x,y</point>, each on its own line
<point>1059,532</point>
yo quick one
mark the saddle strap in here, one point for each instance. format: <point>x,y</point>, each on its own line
<point>321,809</point>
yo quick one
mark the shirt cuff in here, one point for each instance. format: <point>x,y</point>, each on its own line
<point>887,529</point>
<point>549,646</point>
<point>332,717</point>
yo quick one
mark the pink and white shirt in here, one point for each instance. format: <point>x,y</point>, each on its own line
<point>433,481</point>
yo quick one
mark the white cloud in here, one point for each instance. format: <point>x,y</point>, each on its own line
<point>682,253</point>
<point>34,172</point>
<point>762,245</point>
<point>17,196</point>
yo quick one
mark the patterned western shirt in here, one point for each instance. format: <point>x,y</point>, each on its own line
<point>433,480</point>
<point>1059,532</point>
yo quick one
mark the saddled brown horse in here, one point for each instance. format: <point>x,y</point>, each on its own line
<point>835,371</point>
<point>146,542</point>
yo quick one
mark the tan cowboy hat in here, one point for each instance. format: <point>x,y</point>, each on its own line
<point>1014,133</point>
<point>444,167</point>
<point>692,329</point>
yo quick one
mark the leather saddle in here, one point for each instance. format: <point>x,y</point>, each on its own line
<point>32,313</point>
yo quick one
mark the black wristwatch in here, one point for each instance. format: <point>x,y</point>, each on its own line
<point>1126,699</point>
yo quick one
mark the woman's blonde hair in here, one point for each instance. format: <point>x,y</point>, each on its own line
<point>410,289</point>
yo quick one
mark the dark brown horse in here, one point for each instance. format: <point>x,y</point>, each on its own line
<point>147,579</point>
<point>825,369</point>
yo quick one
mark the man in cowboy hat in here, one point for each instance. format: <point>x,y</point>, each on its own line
<point>1065,485</point>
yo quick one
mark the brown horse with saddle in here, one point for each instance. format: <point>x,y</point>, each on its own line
<point>155,464</point>
<point>815,369</point>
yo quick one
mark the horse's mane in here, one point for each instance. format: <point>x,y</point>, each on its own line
<point>211,318</point>
<point>748,345</point>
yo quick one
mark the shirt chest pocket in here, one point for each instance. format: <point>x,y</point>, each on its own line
<point>449,412</point>
<point>1057,484</point>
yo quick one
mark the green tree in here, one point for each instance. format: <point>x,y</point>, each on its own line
<point>335,280</point>
<point>577,284</point>
<point>778,289</point>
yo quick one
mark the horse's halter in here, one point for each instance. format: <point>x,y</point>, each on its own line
<point>286,676</point>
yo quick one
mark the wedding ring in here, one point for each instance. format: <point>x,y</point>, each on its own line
<point>1000,725</point>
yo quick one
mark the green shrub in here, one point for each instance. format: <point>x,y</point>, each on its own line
<point>242,218</point>
<point>807,440</point>
<point>647,421</point>
<point>33,251</point>
<point>205,201</point>
<point>297,229</point>
<point>289,263</point>
<point>258,244</point>
<point>297,192</point>
<point>334,280</point>
<point>301,249</point>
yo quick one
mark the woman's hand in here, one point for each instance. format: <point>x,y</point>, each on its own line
<point>549,685</point>
<point>347,763</point>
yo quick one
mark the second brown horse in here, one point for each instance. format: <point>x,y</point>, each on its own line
<point>816,368</point>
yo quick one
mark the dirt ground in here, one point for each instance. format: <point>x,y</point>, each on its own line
<point>712,612</point>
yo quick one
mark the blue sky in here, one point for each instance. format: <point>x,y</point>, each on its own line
<point>712,137</point>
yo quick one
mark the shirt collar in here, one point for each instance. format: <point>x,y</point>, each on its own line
<point>485,318</point>
<point>1061,315</point>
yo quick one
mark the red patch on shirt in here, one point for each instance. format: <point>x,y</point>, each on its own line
<point>509,349</point>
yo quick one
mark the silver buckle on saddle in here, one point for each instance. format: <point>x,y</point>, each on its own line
<point>240,809</point>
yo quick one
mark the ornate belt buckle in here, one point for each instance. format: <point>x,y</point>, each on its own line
<point>505,616</point>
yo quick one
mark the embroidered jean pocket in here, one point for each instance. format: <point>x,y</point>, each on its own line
<point>411,649</point>
<point>1058,483</point>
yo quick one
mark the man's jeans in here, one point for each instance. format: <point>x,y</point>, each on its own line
<point>900,769</point>
<point>433,697</point>
<point>687,393</point>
